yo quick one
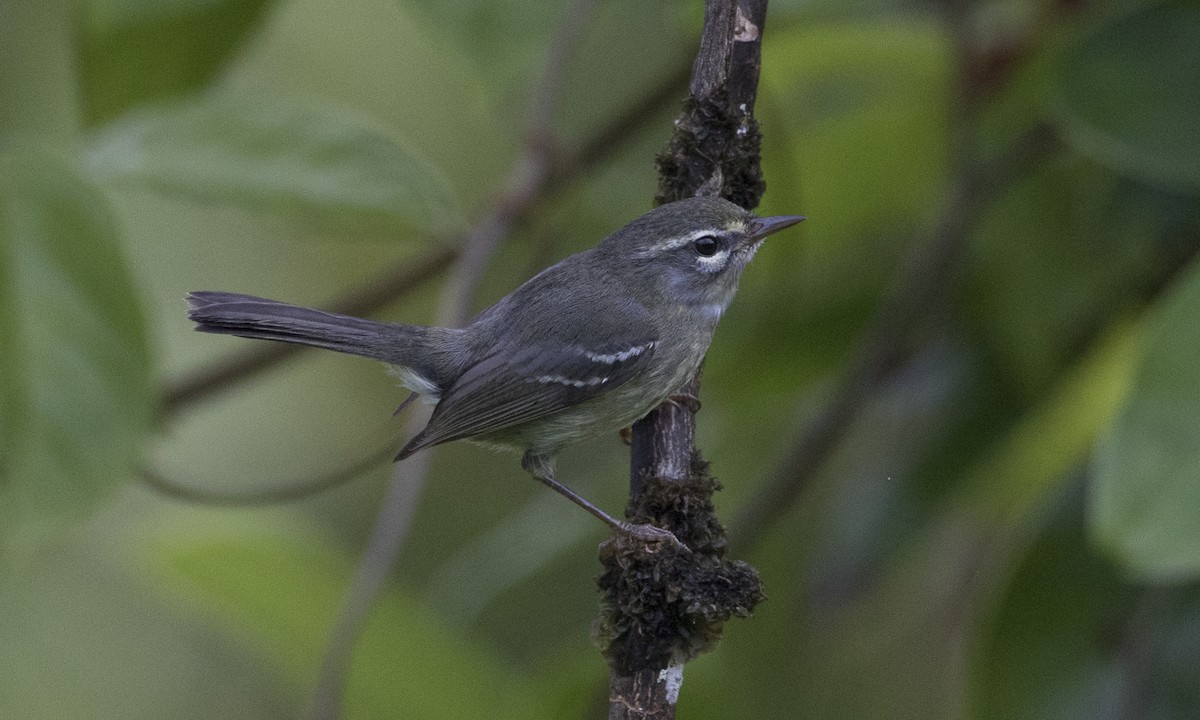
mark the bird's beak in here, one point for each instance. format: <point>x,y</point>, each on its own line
<point>762,227</point>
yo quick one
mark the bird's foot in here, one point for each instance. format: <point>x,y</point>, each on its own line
<point>651,534</point>
<point>626,435</point>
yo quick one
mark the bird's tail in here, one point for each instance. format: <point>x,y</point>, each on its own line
<point>409,346</point>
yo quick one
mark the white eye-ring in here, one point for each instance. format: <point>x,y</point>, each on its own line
<point>713,263</point>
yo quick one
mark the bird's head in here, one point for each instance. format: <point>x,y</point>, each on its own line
<point>690,252</point>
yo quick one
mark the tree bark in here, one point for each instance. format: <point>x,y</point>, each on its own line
<point>660,606</point>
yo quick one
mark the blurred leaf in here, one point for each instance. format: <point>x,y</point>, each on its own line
<point>80,639</point>
<point>1130,94</point>
<point>625,50</point>
<point>854,126</point>
<point>1147,493</point>
<point>305,161</point>
<point>281,591</point>
<point>377,58</point>
<point>909,628</point>
<point>38,89</point>
<point>1064,246</point>
<point>1048,652</point>
<point>74,363</point>
<point>1035,458</point>
<point>829,10</point>
<point>1070,639</point>
<point>505,41</point>
<point>864,106</point>
<point>135,51</point>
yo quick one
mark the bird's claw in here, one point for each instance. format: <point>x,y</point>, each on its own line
<point>652,534</point>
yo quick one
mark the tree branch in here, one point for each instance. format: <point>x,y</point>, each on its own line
<point>525,184</point>
<point>566,168</point>
<point>659,610</point>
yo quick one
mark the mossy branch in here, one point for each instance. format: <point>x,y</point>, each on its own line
<point>661,606</point>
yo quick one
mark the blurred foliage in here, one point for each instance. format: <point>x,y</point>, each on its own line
<point>958,555</point>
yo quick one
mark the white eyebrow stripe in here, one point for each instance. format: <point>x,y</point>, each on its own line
<point>610,358</point>
<point>571,382</point>
<point>677,242</point>
<point>686,239</point>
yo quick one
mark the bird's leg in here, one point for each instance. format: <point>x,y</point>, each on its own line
<point>541,468</point>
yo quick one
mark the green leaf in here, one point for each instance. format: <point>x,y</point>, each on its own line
<point>1054,255</point>
<point>1032,461</point>
<point>135,51</point>
<point>1129,95</point>
<point>1048,652</point>
<point>864,105</point>
<point>1070,637</point>
<point>379,58</point>
<point>305,161</point>
<point>281,591</point>
<point>82,639</point>
<point>854,131</point>
<point>1146,500</point>
<point>75,393</point>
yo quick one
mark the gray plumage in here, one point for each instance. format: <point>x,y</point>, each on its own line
<point>587,346</point>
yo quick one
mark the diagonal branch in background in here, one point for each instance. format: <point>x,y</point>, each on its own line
<point>525,185</point>
<point>567,166</point>
<point>661,608</point>
<point>920,284</point>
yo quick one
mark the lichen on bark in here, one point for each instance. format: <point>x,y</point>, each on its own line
<point>662,605</point>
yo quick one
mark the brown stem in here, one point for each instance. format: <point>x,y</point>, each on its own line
<point>658,608</point>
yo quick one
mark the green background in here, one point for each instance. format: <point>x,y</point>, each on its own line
<point>1009,528</point>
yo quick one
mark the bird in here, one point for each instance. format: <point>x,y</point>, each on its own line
<point>586,347</point>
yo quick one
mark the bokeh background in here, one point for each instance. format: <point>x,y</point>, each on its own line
<point>956,413</point>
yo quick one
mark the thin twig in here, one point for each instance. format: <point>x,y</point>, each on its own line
<point>392,285</point>
<point>524,185</point>
<point>298,490</point>
<point>567,166</point>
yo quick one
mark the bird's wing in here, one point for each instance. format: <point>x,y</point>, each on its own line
<point>517,383</point>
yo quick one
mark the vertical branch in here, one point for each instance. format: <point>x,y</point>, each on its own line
<point>662,608</point>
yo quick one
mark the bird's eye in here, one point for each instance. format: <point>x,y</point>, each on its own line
<point>707,245</point>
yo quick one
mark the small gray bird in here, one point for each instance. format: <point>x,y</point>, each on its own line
<point>587,346</point>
